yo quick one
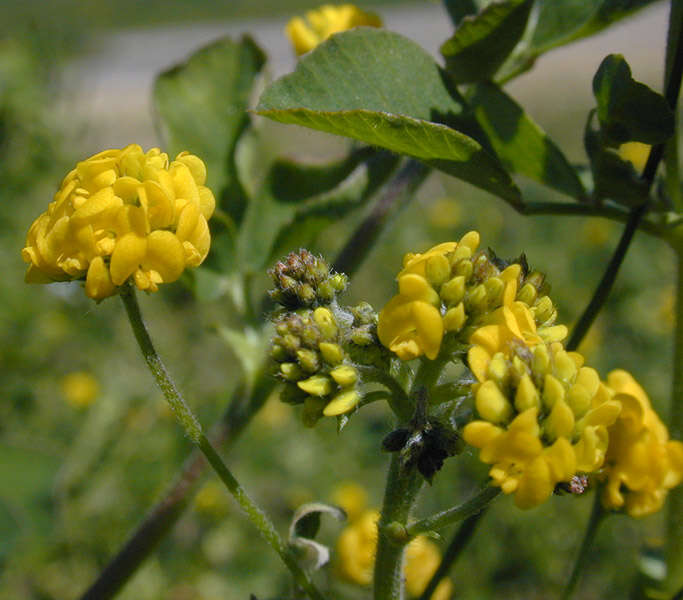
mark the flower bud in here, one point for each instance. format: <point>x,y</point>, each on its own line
<point>317,385</point>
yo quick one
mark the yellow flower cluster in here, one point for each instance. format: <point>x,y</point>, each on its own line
<point>357,545</point>
<point>642,464</point>
<point>452,288</point>
<point>323,22</point>
<point>543,416</point>
<point>121,214</point>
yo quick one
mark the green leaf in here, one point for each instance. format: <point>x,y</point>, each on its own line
<point>562,21</point>
<point>291,181</point>
<point>629,110</point>
<point>520,143</point>
<point>314,214</point>
<point>482,42</point>
<point>382,89</point>
<point>202,107</point>
<point>275,224</point>
<point>459,9</point>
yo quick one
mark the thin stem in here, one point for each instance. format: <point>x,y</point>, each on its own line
<point>454,514</point>
<point>612,213</point>
<point>193,430</point>
<point>401,490</point>
<point>462,536</point>
<point>397,193</point>
<point>675,508</point>
<point>597,516</point>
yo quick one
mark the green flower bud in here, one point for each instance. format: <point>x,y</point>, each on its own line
<point>291,371</point>
<point>332,353</point>
<point>344,375</point>
<point>309,360</point>
<point>453,291</point>
<point>317,385</point>
<point>341,403</point>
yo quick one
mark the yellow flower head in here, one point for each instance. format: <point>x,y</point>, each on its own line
<point>323,22</point>
<point>357,546</point>
<point>123,214</point>
<point>642,464</point>
<point>543,416</point>
<point>80,389</point>
<point>453,288</point>
<point>351,497</point>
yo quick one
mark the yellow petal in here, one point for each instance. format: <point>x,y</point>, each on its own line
<point>98,283</point>
<point>535,485</point>
<point>165,255</point>
<point>129,251</point>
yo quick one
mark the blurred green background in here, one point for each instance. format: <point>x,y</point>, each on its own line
<point>78,473</point>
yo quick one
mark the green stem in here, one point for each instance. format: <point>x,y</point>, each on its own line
<point>194,431</point>
<point>675,508</point>
<point>453,515</point>
<point>612,213</point>
<point>597,516</point>
<point>401,490</point>
<point>462,536</point>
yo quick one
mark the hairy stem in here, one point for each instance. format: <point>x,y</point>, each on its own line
<point>401,490</point>
<point>194,431</point>
<point>454,514</point>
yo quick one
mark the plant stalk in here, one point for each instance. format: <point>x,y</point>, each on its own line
<point>453,515</point>
<point>597,516</point>
<point>194,431</point>
<point>675,503</point>
<point>400,494</point>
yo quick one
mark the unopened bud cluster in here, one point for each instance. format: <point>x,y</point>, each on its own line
<point>317,343</point>
<point>313,364</point>
<point>305,280</point>
<point>452,289</point>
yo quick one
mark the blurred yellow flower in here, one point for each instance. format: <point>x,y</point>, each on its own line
<point>351,497</point>
<point>356,548</point>
<point>123,214</point>
<point>543,416</point>
<point>642,463</point>
<point>636,153</point>
<point>80,389</point>
<point>422,560</point>
<point>322,22</point>
<point>211,500</point>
